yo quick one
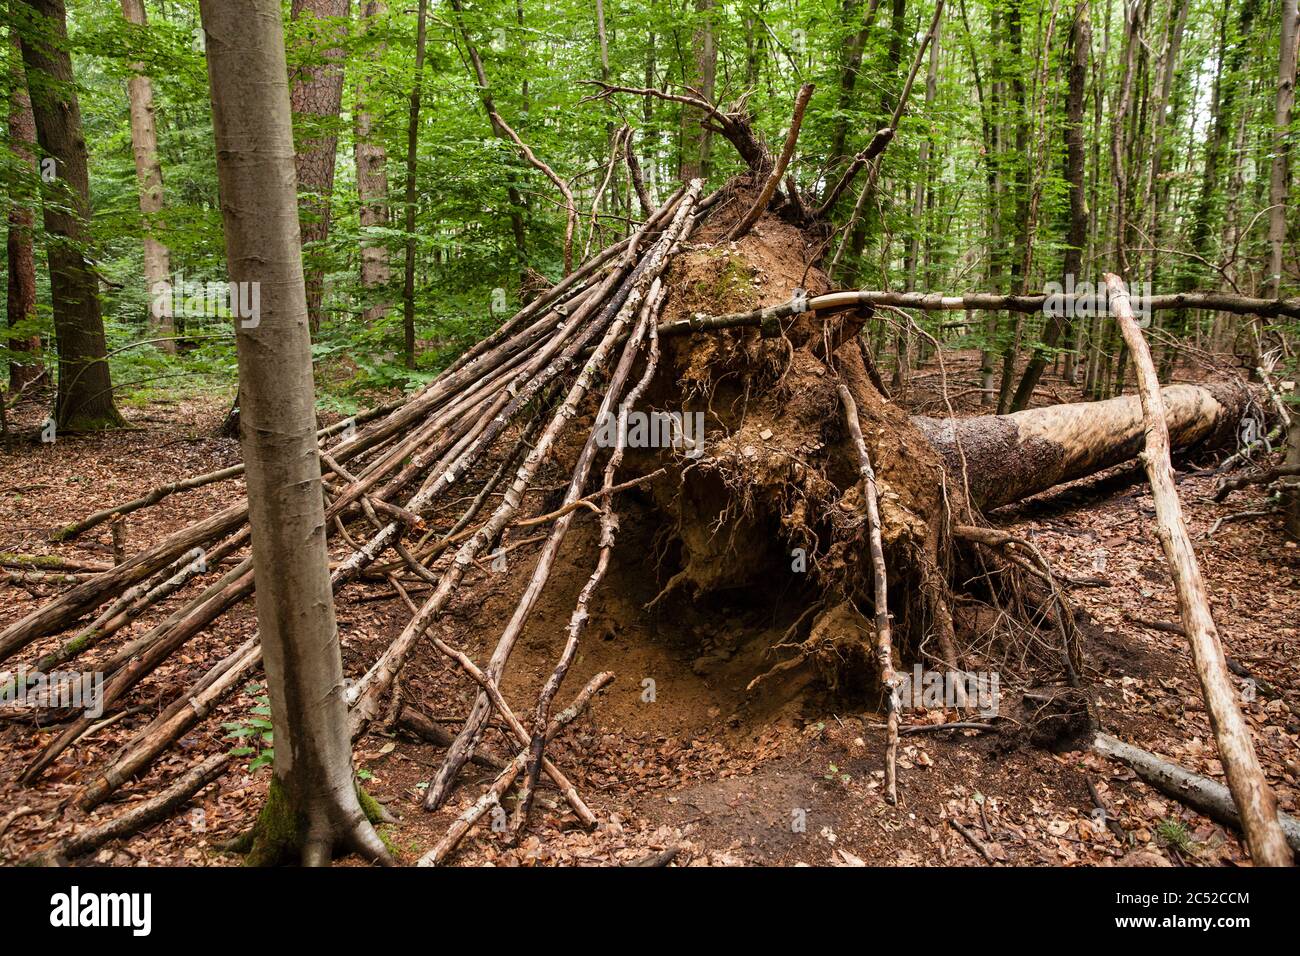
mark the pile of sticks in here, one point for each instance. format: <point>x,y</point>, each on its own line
<point>508,400</point>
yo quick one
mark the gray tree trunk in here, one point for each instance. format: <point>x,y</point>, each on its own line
<point>313,806</point>
<point>148,174</point>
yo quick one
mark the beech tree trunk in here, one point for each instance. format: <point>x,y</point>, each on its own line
<point>372,179</point>
<point>313,806</point>
<point>22,264</point>
<point>1280,178</point>
<point>695,138</point>
<point>1009,457</point>
<point>412,139</point>
<point>148,174</point>
<point>317,96</point>
<point>85,394</point>
<point>1057,323</point>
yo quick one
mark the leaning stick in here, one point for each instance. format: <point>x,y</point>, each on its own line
<point>746,222</point>
<point>649,270</point>
<point>570,206</point>
<point>465,822</point>
<point>521,735</point>
<point>608,530</point>
<point>168,726</point>
<point>557,776</point>
<point>364,696</point>
<point>884,642</point>
<point>1254,799</point>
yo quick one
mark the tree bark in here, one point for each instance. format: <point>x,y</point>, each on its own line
<point>21,302</point>
<point>1004,458</point>
<point>148,174</point>
<point>85,394</point>
<point>412,141</point>
<point>1250,791</point>
<point>372,177</point>
<point>696,140</point>
<point>313,806</point>
<point>1057,324</point>
<point>1279,179</point>
<point>317,97</point>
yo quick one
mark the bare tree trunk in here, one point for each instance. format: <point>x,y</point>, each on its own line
<point>317,97</point>
<point>1279,180</point>
<point>1057,323</point>
<point>696,140</point>
<point>148,174</point>
<point>313,806</point>
<point>85,397</point>
<point>1250,791</point>
<point>1021,214</point>
<point>517,204</point>
<point>849,79</point>
<point>372,177</point>
<point>21,302</point>
<point>412,141</point>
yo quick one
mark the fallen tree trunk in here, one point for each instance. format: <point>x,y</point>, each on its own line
<point>1200,793</point>
<point>1004,458</point>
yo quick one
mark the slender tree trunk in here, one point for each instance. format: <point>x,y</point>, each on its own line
<point>312,807</point>
<point>849,78</point>
<point>890,85</point>
<point>1279,180</point>
<point>517,204</point>
<point>1167,116</point>
<point>372,176</point>
<point>1023,173</point>
<point>1057,324</point>
<point>148,175</point>
<point>696,140</point>
<point>412,140</point>
<point>317,97</point>
<point>22,219</point>
<point>85,396</point>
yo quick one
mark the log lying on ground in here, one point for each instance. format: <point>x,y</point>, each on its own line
<point>141,815</point>
<point>1200,793</point>
<point>1006,458</point>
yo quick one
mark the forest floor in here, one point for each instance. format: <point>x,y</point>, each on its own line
<point>700,767</point>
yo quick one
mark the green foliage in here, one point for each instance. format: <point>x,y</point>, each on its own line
<point>253,734</point>
<point>994,178</point>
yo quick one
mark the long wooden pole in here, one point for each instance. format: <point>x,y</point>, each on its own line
<point>1250,791</point>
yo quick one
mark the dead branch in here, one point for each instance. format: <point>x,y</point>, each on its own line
<point>735,125</point>
<point>140,815</point>
<point>1200,793</point>
<point>1254,798</point>
<point>746,222</point>
<point>492,798</point>
<point>570,206</point>
<point>884,642</point>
